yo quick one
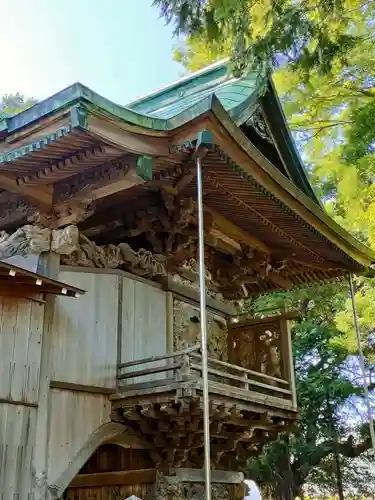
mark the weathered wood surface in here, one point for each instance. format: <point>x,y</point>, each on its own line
<point>85,332</point>
<point>287,359</point>
<point>74,417</point>
<point>121,492</point>
<point>112,473</point>
<point>217,476</point>
<point>48,264</point>
<point>90,389</point>
<point>144,324</point>
<point>21,323</point>
<point>174,429</point>
<point>20,344</point>
<point>17,437</point>
<point>145,476</point>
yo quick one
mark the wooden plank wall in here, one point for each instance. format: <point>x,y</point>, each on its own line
<point>74,416</point>
<point>84,354</point>
<point>118,319</point>
<point>109,492</point>
<point>85,331</point>
<point>17,438</point>
<point>21,324</point>
<point>112,458</point>
<point>143,324</point>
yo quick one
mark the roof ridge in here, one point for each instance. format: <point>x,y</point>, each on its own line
<point>176,83</point>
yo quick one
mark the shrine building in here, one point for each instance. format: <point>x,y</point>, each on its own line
<point>101,389</point>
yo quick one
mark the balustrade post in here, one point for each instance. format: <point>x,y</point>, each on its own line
<point>246,384</point>
<point>185,369</point>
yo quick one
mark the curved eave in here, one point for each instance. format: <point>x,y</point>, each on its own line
<point>241,149</point>
<point>78,93</point>
<point>293,198</point>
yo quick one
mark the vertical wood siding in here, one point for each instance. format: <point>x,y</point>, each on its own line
<point>143,325</point>
<point>17,435</point>
<point>85,331</point>
<point>21,324</point>
<point>109,458</point>
<point>109,492</point>
<point>74,417</point>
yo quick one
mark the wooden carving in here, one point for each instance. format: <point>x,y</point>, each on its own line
<point>83,183</point>
<point>186,331</point>
<point>166,488</point>
<point>231,273</point>
<point>258,123</point>
<point>25,241</point>
<point>257,347</point>
<point>13,208</point>
<point>171,488</point>
<point>63,215</point>
<point>141,262</point>
<point>65,241</point>
<point>33,240</point>
<point>170,227</point>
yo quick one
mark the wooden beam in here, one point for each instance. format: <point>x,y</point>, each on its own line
<point>23,290</point>
<point>236,233</point>
<point>91,389</point>
<point>40,197</point>
<point>217,476</point>
<point>98,182</point>
<point>179,290</point>
<point>18,403</point>
<point>283,283</point>
<point>128,180</point>
<point>127,137</point>
<point>269,319</point>
<point>124,477</point>
<point>185,180</point>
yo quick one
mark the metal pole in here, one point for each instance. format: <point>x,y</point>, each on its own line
<point>362,364</point>
<point>202,293</point>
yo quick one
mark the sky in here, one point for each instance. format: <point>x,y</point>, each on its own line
<point>119,48</point>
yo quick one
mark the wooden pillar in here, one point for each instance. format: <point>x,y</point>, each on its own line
<point>48,265</point>
<point>169,299</point>
<point>287,359</point>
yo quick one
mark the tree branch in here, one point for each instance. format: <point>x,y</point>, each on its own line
<point>349,449</point>
<point>333,123</point>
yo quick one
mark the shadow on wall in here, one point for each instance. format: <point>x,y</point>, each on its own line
<point>254,493</point>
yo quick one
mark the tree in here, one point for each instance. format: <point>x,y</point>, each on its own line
<point>11,104</point>
<point>332,115</point>
<point>305,33</point>
<point>325,389</point>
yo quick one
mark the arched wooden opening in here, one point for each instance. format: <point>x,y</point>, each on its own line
<point>113,473</point>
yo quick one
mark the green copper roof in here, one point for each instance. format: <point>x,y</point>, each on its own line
<point>176,98</point>
<point>4,115</point>
<point>179,103</point>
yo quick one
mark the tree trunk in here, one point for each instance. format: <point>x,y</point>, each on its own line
<point>284,490</point>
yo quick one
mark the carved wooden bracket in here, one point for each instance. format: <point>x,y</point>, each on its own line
<point>35,240</point>
<point>141,262</point>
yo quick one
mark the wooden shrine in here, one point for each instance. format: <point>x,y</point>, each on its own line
<point>101,392</point>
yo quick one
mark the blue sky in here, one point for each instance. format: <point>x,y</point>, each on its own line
<point>119,48</point>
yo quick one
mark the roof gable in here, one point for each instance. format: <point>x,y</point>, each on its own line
<point>215,79</point>
<point>253,93</point>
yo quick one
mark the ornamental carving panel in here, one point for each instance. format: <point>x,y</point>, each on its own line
<point>171,488</point>
<point>257,347</point>
<point>186,330</point>
<point>34,240</point>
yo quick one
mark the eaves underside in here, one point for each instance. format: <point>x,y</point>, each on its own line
<point>230,139</point>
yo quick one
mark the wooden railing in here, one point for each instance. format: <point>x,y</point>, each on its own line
<point>177,362</point>
<point>186,365</point>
